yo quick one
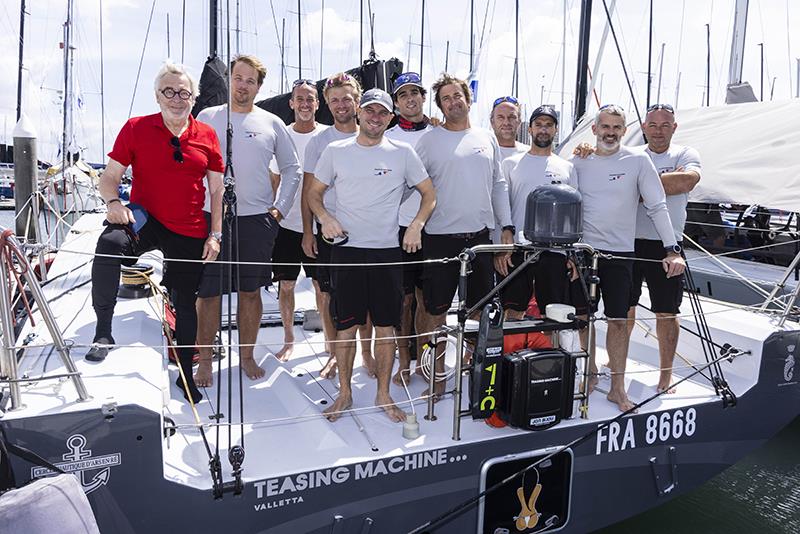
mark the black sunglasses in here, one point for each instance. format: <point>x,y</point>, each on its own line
<point>304,81</point>
<point>656,107</point>
<point>177,155</point>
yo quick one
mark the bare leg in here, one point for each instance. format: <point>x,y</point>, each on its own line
<point>346,353</point>
<point>384,352</point>
<point>631,320</point>
<point>207,326</point>
<point>435,321</point>
<point>366,333</point>
<point>617,348</point>
<point>403,373</point>
<point>249,319</point>
<point>668,328</point>
<point>328,329</point>
<point>286,305</point>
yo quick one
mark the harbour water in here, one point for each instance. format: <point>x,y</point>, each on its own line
<point>760,494</point>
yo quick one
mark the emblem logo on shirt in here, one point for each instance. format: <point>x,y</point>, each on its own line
<point>250,135</point>
<point>663,170</point>
<point>615,177</point>
<point>381,172</point>
<point>480,149</point>
<point>553,177</point>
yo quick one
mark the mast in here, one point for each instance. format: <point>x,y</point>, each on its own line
<point>737,42</point>
<point>66,134</point>
<point>515,79</point>
<point>21,46</point>
<point>422,39</point>
<point>660,71</point>
<point>649,55</point>
<point>708,65</point>
<point>283,54</point>
<point>471,34</point>
<point>563,61</point>
<point>299,43</point>
<point>102,86</point>
<point>361,34</point>
<point>761,85</point>
<point>321,38</point>
<point>583,60</point>
<point>212,28</point>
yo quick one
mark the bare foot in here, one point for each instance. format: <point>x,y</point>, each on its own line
<point>369,362</point>
<point>286,352</point>
<point>621,400</point>
<point>392,411</point>
<point>664,383</point>
<point>252,369</point>
<point>204,376</point>
<point>329,371</point>
<point>402,375</point>
<point>335,411</point>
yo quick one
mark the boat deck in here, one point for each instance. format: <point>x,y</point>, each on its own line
<point>285,431</point>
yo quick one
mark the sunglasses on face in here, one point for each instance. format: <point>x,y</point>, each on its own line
<point>408,77</point>
<point>665,107</point>
<point>170,93</point>
<point>502,99</point>
<point>303,81</point>
<point>177,154</point>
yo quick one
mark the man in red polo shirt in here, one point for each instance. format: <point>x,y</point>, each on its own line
<point>170,154</point>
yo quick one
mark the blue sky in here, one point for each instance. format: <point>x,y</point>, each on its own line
<point>397,24</point>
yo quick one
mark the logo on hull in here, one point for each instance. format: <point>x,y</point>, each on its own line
<point>79,461</point>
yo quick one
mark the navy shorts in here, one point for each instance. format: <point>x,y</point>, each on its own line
<point>358,291</point>
<point>289,249</point>
<point>440,281</point>
<point>666,294</point>
<point>254,237</point>
<point>412,273</point>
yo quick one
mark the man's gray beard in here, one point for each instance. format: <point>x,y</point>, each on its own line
<point>541,144</point>
<point>608,146</point>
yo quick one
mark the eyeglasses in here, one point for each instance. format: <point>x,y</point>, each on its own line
<point>341,79</point>
<point>665,107</point>
<point>177,155</point>
<point>170,93</point>
<point>502,99</point>
<point>303,81</point>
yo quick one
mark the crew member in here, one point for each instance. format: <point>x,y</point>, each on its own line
<point>525,172</point>
<point>288,245</point>
<point>170,154</point>
<point>371,174</point>
<point>679,168</point>
<point>472,197</point>
<point>257,136</point>
<point>409,95</point>
<point>341,94</point>
<point>611,182</point>
<point>506,119</point>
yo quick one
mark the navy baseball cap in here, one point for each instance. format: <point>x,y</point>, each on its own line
<point>544,111</point>
<point>407,78</point>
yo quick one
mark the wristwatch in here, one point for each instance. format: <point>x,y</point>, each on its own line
<point>676,249</point>
<point>216,235</point>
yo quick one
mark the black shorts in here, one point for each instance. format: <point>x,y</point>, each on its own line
<point>548,278</point>
<point>666,294</point>
<point>357,291</point>
<point>440,281</point>
<point>412,273</point>
<point>289,249</point>
<point>322,273</point>
<point>253,242</point>
<point>616,281</point>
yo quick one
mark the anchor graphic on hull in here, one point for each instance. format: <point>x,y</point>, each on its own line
<point>79,459</point>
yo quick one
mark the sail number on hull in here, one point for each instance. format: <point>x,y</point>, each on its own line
<point>658,428</point>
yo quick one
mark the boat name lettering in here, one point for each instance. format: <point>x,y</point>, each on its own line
<point>662,427</point>
<point>326,477</point>
<point>260,507</point>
